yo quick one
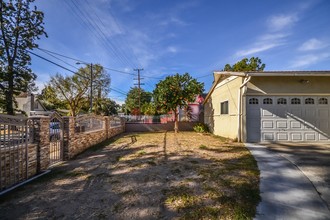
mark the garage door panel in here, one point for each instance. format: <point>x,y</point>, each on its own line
<point>282,136</point>
<point>296,125</point>
<point>268,124</point>
<point>268,136</point>
<point>301,118</point>
<point>267,113</point>
<point>282,124</point>
<point>323,113</point>
<point>310,136</point>
<point>296,136</point>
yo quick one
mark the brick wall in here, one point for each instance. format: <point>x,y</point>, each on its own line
<point>15,167</point>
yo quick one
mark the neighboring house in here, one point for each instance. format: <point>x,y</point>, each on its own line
<point>28,103</point>
<point>270,106</point>
<point>195,109</point>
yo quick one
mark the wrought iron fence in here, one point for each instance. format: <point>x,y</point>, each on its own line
<point>115,122</point>
<point>146,119</point>
<point>87,123</point>
<point>15,134</point>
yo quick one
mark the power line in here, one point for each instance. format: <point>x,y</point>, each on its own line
<point>59,59</point>
<point>51,62</point>
<point>88,20</point>
<point>61,55</point>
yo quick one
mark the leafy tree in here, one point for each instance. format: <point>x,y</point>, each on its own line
<point>106,106</point>
<point>252,64</point>
<point>50,99</point>
<point>74,89</point>
<point>149,108</point>
<point>132,100</point>
<point>20,27</point>
<point>176,92</point>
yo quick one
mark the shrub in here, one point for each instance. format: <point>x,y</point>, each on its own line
<point>201,128</point>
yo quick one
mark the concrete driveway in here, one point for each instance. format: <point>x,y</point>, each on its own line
<point>313,160</point>
<point>295,180</point>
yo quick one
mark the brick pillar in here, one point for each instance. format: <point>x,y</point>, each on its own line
<point>123,124</point>
<point>107,125</point>
<point>68,133</point>
<point>41,139</point>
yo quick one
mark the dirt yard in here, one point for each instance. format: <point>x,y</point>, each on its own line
<point>145,176</point>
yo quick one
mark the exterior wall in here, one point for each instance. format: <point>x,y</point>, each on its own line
<point>225,125</point>
<point>288,85</point>
<point>169,126</point>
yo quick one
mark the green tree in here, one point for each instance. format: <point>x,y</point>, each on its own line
<point>132,100</point>
<point>176,92</point>
<point>50,99</point>
<point>252,64</point>
<point>106,106</point>
<point>74,90</point>
<point>20,27</point>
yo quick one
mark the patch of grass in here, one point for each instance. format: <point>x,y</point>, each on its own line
<point>180,197</point>
<point>141,153</point>
<point>202,147</point>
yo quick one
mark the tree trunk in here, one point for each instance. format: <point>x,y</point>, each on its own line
<point>176,123</point>
<point>10,93</point>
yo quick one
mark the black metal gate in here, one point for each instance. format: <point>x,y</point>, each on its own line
<point>55,138</point>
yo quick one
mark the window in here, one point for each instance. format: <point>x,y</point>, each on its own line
<point>295,101</point>
<point>323,101</point>
<point>281,101</point>
<point>224,108</point>
<point>253,101</point>
<point>268,101</point>
<point>309,101</point>
<point>36,106</point>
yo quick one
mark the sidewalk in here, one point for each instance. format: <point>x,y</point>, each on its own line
<point>285,191</point>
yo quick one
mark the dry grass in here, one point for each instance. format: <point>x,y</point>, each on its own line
<point>147,176</point>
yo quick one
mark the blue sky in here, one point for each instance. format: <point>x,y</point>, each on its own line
<point>196,36</point>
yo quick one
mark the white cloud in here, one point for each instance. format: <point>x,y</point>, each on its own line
<point>312,44</point>
<point>172,49</point>
<point>256,49</point>
<point>280,22</point>
<point>307,60</point>
<point>264,43</point>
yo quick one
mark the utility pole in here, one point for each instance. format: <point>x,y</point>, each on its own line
<point>139,86</point>
<point>91,94</point>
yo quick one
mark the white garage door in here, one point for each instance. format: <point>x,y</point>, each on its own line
<point>283,118</point>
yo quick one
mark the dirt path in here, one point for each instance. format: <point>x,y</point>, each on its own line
<point>141,176</point>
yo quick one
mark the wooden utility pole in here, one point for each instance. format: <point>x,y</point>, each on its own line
<point>139,86</point>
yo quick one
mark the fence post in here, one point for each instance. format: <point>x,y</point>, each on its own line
<point>41,139</point>
<point>123,124</point>
<point>68,133</point>
<point>107,125</point>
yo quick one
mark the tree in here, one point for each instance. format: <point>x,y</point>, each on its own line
<point>74,89</point>
<point>106,106</point>
<point>20,27</point>
<point>132,100</point>
<point>254,64</point>
<point>176,92</point>
<point>50,99</point>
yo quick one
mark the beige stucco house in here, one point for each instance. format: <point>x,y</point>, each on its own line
<point>270,106</point>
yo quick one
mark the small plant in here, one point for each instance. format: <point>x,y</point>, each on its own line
<point>202,146</point>
<point>141,152</point>
<point>201,128</point>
